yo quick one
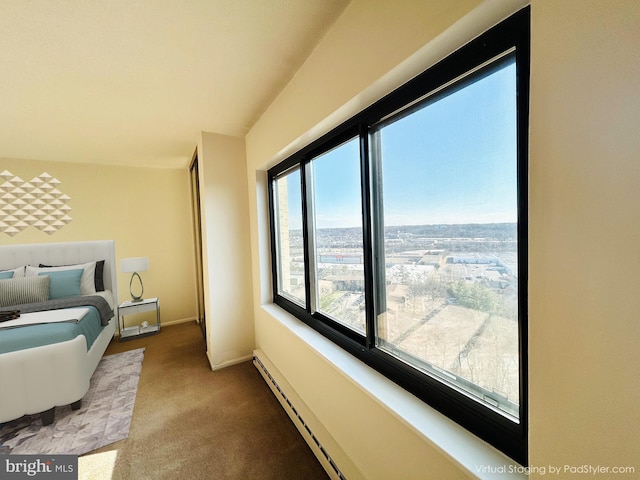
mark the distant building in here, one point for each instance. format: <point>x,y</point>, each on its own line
<point>340,258</point>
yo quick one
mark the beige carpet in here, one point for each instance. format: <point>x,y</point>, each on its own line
<point>192,423</point>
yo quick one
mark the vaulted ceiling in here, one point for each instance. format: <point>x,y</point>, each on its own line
<point>133,82</point>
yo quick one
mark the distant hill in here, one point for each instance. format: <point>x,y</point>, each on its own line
<point>495,231</point>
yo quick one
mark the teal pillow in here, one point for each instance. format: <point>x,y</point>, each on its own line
<point>63,283</point>
<point>6,275</point>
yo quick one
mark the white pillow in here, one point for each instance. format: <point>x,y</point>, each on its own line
<point>17,272</point>
<point>87,281</point>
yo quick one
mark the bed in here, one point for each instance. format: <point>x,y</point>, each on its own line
<point>37,377</point>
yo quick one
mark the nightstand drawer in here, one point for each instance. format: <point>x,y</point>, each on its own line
<point>131,309</point>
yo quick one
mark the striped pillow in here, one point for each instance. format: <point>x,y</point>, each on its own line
<point>16,291</point>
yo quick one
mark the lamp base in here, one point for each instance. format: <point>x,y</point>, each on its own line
<point>134,298</point>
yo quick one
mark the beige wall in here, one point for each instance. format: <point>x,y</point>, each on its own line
<point>226,254</point>
<point>584,224</point>
<point>584,233</point>
<point>366,42</point>
<point>146,211</point>
<point>369,39</point>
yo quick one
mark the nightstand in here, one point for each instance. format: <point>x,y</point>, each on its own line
<point>131,308</point>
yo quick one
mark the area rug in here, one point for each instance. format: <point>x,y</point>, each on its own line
<point>104,418</point>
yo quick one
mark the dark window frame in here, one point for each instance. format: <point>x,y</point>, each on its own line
<point>512,34</point>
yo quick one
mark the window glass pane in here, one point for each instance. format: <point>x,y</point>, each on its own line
<point>289,241</point>
<point>449,190</point>
<point>339,257</point>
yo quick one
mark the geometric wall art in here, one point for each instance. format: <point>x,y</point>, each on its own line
<point>35,203</point>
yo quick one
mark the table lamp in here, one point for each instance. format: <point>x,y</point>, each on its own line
<point>135,265</point>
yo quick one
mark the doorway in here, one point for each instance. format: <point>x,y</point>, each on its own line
<point>197,236</point>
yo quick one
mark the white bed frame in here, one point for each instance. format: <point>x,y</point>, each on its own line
<point>36,380</point>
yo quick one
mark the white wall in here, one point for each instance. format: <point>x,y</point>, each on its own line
<point>226,259</point>
<point>584,226</point>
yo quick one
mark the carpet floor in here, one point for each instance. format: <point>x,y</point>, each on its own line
<point>193,423</point>
<point>104,418</point>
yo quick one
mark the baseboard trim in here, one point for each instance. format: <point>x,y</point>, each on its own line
<point>177,322</point>
<point>227,363</point>
<point>317,437</point>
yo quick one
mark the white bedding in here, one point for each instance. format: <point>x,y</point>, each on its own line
<point>50,316</point>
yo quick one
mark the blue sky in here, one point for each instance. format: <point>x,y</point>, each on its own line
<point>450,162</point>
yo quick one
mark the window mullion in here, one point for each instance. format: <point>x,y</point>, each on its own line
<point>377,231</point>
<point>368,237</point>
<point>308,228</point>
<point>523,75</point>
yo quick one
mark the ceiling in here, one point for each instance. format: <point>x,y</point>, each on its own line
<point>133,82</point>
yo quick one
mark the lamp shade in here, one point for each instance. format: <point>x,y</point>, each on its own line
<point>135,264</point>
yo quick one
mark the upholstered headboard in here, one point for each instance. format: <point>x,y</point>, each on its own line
<point>68,253</point>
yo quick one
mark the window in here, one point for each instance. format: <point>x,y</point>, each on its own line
<point>402,235</point>
<point>449,210</point>
<point>289,242</point>
<point>337,235</point>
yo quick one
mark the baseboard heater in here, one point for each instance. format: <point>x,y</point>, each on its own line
<point>264,371</point>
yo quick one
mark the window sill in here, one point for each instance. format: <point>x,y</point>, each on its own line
<point>475,457</point>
